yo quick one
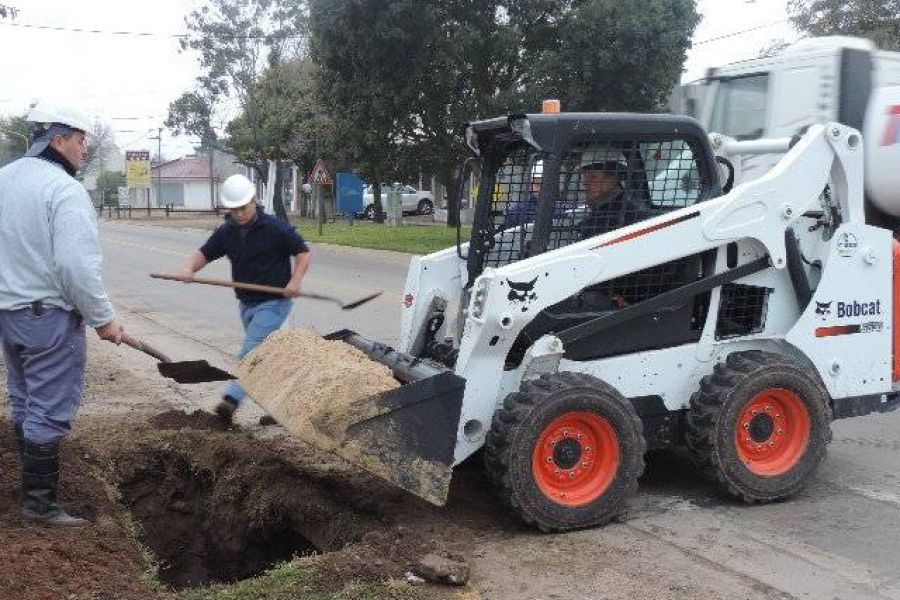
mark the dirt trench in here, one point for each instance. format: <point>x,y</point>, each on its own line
<point>218,505</point>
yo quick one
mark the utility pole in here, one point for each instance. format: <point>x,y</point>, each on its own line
<point>159,159</point>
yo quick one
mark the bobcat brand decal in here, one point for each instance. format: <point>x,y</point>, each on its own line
<point>522,292</point>
<point>823,309</point>
<point>849,310</point>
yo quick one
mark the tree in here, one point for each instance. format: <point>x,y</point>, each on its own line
<point>400,77</point>
<point>101,144</point>
<point>877,20</point>
<point>108,184</point>
<point>607,56</point>
<point>8,11</point>
<point>238,40</point>
<point>13,138</point>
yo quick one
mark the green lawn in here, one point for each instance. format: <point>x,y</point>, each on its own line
<point>415,239</point>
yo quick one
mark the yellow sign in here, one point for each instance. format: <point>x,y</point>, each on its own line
<point>137,170</point>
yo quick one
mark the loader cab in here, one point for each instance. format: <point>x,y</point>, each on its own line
<point>597,173</point>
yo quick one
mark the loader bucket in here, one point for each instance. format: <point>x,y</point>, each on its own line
<point>405,435</point>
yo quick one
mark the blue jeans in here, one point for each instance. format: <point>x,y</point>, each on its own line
<point>259,321</point>
<point>45,358</point>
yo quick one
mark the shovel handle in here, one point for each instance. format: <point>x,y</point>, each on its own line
<point>255,287</point>
<point>145,348</point>
<point>250,287</point>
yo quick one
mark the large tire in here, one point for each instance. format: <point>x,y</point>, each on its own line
<point>540,446</point>
<point>369,212</point>
<point>759,425</point>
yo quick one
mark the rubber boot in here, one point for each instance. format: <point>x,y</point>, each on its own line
<point>225,409</point>
<point>20,439</point>
<point>40,482</point>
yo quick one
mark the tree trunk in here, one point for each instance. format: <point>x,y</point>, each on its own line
<point>376,194</point>
<point>277,200</point>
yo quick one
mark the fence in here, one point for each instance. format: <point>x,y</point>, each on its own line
<point>138,212</point>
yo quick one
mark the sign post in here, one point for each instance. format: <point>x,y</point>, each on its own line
<point>320,177</point>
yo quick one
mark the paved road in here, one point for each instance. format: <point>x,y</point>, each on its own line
<point>209,314</point>
<point>840,538</point>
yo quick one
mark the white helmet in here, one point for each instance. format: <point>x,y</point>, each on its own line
<point>237,191</point>
<point>602,158</point>
<point>46,112</point>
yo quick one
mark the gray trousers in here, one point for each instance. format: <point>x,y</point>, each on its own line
<point>44,352</point>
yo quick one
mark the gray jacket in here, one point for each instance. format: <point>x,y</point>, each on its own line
<point>49,242</point>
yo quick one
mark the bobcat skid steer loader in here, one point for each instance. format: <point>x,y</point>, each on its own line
<point>612,300</point>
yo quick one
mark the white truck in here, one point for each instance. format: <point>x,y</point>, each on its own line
<point>816,80</point>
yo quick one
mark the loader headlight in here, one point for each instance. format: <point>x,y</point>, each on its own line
<point>479,298</point>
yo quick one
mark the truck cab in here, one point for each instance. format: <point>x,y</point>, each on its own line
<point>816,80</point>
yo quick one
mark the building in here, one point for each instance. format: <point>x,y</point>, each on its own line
<point>186,182</point>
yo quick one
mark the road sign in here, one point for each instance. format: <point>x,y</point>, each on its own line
<point>320,173</point>
<point>137,170</point>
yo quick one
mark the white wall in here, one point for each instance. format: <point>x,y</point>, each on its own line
<point>196,195</point>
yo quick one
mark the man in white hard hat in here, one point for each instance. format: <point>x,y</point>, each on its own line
<point>50,287</point>
<point>260,248</point>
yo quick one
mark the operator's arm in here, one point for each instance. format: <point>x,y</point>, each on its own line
<point>78,261</point>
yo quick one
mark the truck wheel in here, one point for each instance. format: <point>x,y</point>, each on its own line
<point>566,451</point>
<point>759,425</point>
<point>369,212</point>
<point>425,207</point>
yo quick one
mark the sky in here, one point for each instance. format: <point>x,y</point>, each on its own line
<point>127,80</point>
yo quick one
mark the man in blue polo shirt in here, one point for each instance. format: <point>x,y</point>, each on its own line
<point>260,248</point>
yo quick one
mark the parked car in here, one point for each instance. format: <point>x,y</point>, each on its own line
<point>413,200</point>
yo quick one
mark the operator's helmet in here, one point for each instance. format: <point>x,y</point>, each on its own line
<point>237,191</point>
<point>51,119</point>
<point>603,159</point>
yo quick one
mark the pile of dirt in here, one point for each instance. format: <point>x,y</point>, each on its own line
<point>312,386</point>
<point>102,561</point>
<point>198,419</point>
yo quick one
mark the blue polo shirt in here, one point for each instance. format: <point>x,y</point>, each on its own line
<point>260,252</point>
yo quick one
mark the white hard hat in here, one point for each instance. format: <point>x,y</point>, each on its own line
<point>602,158</point>
<point>237,191</point>
<point>47,113</point>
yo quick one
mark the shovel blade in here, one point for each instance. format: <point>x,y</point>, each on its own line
<point>193,371</point>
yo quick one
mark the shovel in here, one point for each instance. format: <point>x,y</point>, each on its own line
<point>187,371</point>
<point>268,289</point>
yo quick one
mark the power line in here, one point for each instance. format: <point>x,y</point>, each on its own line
<point>742,32</point>
<point>144,34</point>
<point>93,31</point>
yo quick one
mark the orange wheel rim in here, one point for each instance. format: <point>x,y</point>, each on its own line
<point>772,432</point>
<point>576,458</point>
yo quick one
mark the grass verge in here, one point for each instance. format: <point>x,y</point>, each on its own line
<point>298,581</point>
<point>414,239</point>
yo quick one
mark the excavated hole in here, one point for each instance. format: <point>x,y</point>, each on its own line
<point>199,538</point>
<point>220,506</point>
